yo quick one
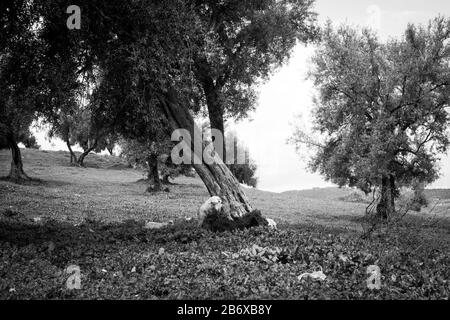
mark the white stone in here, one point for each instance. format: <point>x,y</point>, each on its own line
<point>272,223</point>
<point>316,275</point>
<point>154,225</point>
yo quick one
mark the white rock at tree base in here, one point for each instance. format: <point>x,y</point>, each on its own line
<point>272,223</point>
<point>316,275</point>
<point>155,225</point>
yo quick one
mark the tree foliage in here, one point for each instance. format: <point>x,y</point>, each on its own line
<point>38,68</point>
<point>382,108</point>
<point>20,78</point>
<point>78,126</point>
<point>243,41</point>
<point>18,60</point>
<point>138,56</point>
<point>141,155</point>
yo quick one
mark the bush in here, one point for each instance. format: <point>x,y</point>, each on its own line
<point>245,173</point>
<point>414,199</point>
<point>418,200</point>
<point>31,143</point>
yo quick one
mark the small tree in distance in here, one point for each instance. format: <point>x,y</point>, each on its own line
<point>242,43</point>
<point>244,172</point>
<point>79,127</point>
<point>144,155</point>
<point>382,108</point>
<point>154,159</point>
<point>237,156</point>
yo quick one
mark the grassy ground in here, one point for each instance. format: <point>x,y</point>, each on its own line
<point>93,217</point>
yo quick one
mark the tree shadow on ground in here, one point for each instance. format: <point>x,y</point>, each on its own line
<point>22,231</point>
<point>33,182</point>
<point>37,182</point>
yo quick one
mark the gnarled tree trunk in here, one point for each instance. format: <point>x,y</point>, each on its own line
<point>16,172</point>
<point>215,111</point>
<point>153,174</point>
<point>86,152</point>
<point>386,206</point>
<point>217,178</point>
<point>73,156</point>
<point>165,179</point>
<point>215,107</point>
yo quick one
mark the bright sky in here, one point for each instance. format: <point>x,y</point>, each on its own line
<point>288,93</point>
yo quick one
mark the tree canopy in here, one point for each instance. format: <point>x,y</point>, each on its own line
<point>382,108</point>
<point>242,42</point>
<point>138,55</point>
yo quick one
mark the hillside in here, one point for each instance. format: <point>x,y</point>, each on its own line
<point>109,190</point>
<point>94,218</point>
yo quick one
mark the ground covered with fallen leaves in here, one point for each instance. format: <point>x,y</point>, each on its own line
<point>181,261</point>
<point>94,220</point>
